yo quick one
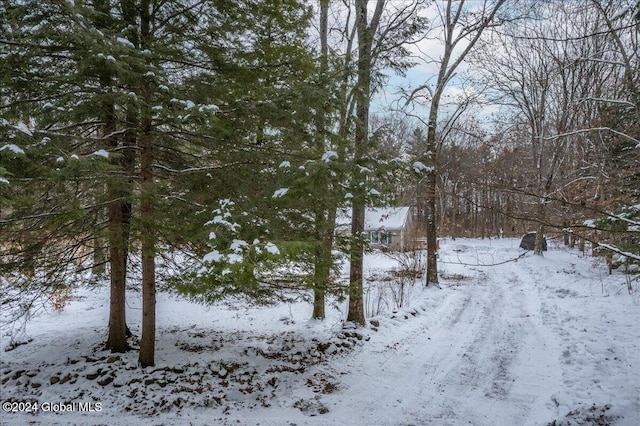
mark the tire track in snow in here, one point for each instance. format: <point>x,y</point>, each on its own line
<point>405,366</point>
<point>481,383</point>
<point>455,367</point>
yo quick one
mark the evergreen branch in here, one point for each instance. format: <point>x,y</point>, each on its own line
<point>37,46</point>
<point>53,213</point>
<point>617,250</point>
<point>199,169</point>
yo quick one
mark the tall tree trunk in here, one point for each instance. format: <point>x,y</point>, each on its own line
<point>128,154</point>
<point>454,31</point>
<point>430,192</point>
<point>117,334</point>
<point>365,40</point>
<point>147,210</point>
<point>323,217</point>
<point>118,331</point>
<point>117,338</point>
<point>117,328</point>
<point>431,229</point>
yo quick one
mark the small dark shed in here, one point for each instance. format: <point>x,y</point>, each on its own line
<point>529,242</point>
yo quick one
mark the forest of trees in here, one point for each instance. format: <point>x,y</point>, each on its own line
<point>193,146</point>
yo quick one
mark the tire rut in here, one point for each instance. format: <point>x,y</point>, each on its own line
<point>459,369</point>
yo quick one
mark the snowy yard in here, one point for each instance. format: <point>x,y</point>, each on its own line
<point>538,341</point>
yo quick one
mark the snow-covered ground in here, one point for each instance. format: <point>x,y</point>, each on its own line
<point>537,341</point>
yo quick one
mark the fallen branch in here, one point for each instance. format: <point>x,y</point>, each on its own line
<point>515,259</point>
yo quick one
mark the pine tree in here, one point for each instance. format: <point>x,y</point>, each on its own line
<point>263,128</point>
<point>51,90</point>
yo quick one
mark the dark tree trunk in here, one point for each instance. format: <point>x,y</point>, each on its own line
<point>431,233</point>
<point>356,302</point>
<point>319,278</point>
<point>147,210</point>
<point>365,41</point>
<point>117,335</point>
<point>430,191</point>
<point>119,214</point>
<point>117,338</point>
<point>324,218</point>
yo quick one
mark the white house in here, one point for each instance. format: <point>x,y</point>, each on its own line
<point>386,227</point>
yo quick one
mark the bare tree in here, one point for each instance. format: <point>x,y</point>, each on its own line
<point>460,24</point>
<point>563,74</point>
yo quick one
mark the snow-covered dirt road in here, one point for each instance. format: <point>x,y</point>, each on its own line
<point>483,357</point>
<point>520,343</point>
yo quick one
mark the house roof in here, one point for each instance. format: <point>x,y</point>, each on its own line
<point>375,218</point>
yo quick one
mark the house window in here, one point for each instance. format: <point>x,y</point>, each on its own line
<point>385,238</point>
<point>376,237</point>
